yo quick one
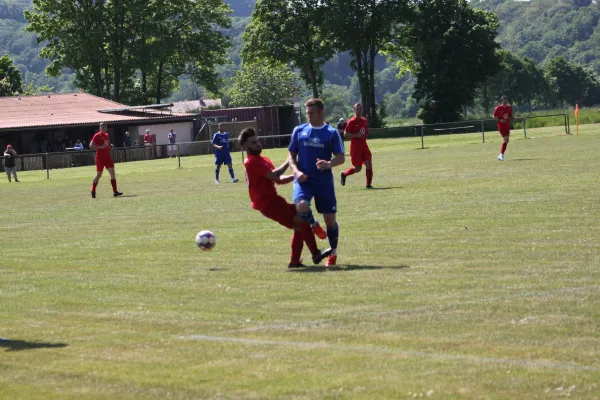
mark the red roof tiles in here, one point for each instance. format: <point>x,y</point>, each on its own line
<point>65,109</point>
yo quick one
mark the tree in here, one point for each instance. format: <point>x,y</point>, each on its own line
<point>569,83</point>
<point>10,77</point>
<point>450,49</point>
<point>124,49</point>
<point>363,28</point>
<point>283,31</point>
<point>259,84</point>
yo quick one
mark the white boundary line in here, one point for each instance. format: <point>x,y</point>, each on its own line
<point>390,350</point>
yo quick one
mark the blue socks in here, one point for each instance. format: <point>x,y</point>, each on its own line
<point>217,173</point>
<point>231,173</point>
<point>333,235</point>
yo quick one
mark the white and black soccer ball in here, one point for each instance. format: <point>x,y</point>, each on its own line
<point>206,240</point>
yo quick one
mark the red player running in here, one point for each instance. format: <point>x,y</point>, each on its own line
<point>101,143</point>
<point>262,176</point>
<point>503,114</point>
<point>357,131</point>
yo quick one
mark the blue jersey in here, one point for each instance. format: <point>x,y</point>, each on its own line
<point>312,143</point>
<point>221,139</point>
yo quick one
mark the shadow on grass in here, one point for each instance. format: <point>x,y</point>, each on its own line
<point>524,159</point>
<point>19,345</point>
<point>129,195</point>
<point>345,268</point>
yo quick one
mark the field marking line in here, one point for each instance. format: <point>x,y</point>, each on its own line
<point>308,324</point>
<point>389,350</point>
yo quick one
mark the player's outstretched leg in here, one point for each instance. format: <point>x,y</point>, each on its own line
<point>345,174</point>
<point>305,213</point>
<point>311,243</point>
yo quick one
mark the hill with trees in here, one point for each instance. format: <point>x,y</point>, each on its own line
<point>532,34</point>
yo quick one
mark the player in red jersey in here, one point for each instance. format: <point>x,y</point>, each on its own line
<point>262,176</point>
<point>503,114</point>
<point>357,130</point>
<point>101,143</point>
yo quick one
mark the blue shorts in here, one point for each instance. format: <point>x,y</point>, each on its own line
<point>221,159</point>
<point>324,194</point>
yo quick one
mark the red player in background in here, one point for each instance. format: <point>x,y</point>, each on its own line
<point>101,144</point>
<point>503,114</point>
<point>357,130</point>
<point>262,176</point>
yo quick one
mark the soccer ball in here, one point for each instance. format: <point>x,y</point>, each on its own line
<point>206,240</point>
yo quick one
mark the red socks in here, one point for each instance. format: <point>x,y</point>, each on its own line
<point>94,186</point>
<point>309,238</point>
<point>369,174</point>
<point>297,245</point>
<point>113,182</point>
<point>349,171</point>
<point>503,147</point>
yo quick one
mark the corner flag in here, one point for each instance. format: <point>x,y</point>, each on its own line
<point>577,120</point>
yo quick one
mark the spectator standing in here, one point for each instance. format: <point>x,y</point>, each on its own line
<point>172,148</point>
<point>10,162</point>
<point>127,140</point>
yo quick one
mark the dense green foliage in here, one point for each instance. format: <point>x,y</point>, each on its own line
<point>532,34</point>
<point>545,29</point>
<point>132,50</point>
<point>10,77</point>
<point>258,84</point>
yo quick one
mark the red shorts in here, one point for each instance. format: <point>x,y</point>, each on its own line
<point>504,131</point>
<point>279,210</point>
<point>358,155</point>
<point>104,162</point>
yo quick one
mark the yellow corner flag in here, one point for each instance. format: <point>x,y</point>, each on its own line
<point>577,120</point>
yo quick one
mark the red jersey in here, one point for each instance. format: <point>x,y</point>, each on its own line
<point>358,125</point>
<point>262,190</point>
<point>99,139</point>
<point>505,113</point>
<point>147,138</point>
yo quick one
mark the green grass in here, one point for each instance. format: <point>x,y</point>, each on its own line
<point>465,278</point>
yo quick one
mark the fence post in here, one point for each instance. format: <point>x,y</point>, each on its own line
<point>422,140</point>
<point>178,157</point>
<point>483,131</point>
<point>525,127</point>
<point>47,166</point>
<point>568,124</point>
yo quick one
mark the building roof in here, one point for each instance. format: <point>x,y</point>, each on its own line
<point>68,109</point>
<point>189,105</point>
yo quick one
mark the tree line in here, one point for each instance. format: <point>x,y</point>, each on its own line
<point>135,52</point>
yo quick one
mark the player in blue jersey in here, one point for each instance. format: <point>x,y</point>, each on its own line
<point>314,150</point>
<point>221,144</point>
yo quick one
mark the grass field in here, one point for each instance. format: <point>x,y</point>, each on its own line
<point>462,277</point>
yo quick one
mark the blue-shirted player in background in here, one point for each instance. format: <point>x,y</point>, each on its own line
<point>221,143</point>
<point>311,151</point>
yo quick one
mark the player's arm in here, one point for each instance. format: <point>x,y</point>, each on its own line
<point>277,172</point>
<point>94,146</point>
<point>293,149</point>
<point>337,148</point>
<point>215,145</point>
<point>348,135</point>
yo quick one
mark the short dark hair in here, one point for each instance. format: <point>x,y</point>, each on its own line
<point>504,97</point>
<point>245,135</point>
<point>314,102</point>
